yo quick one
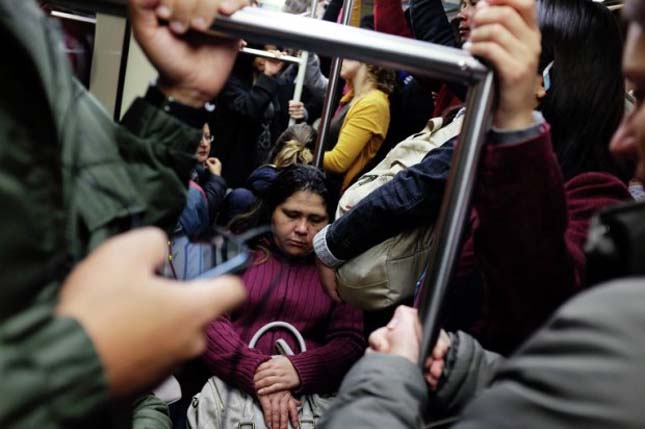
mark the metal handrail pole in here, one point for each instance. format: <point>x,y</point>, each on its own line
<point>330,96</point>
<point>302,66</point>
<point>328,38</point>
<point>73,17</point>
<point>455,209</point>
<point>328,110</point>
<point>300,80</point>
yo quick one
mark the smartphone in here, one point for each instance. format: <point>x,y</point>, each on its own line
<point>231,254</point>
<point>235,265</point>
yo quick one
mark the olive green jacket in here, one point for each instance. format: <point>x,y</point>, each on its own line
<point>69,178</point>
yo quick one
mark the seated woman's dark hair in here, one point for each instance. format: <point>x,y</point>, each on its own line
<point>289,180</point>
<point>586,98</point>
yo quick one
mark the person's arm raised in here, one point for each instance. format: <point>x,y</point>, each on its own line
<point>192,67</point>
<point>506,34</point>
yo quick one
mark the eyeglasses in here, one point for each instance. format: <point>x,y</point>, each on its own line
<point>208,138</point>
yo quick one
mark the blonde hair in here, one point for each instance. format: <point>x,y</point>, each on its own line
<point>294,146</point>
<point>293,152</point>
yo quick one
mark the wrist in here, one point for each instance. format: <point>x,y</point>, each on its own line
<point>184,95</point>
<point>323,253</point>
<point>190,115</point>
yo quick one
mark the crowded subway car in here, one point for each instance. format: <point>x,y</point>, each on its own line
<point>322,214</point>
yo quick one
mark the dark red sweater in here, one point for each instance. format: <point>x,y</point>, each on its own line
<point>529,233</point>
<point>289,291</point>
<point>389,18</point>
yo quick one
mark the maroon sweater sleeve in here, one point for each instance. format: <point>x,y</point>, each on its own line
<point>389,18</point>
<point>321,370</point>
<point>530,234</point>
<point>230,358</point>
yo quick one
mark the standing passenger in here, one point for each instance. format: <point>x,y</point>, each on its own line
<point>361,123</point>
<point>252,111</point>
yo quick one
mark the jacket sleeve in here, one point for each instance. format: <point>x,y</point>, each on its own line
<point>215,189</point>
<point>412,198</point>
<point>364,120</point>
<point>315,81</point>
<point>468,371</point>
<point>252,102</point>
<point>380,391</point>
<point>313,102</point>
<point>137,172</point>
<point>584,369</point>
<point>151,412</point>
<point>430,23</point>
<point>194,219</point>
<point>389,18</point>
<point>51,374</point>
<point>230,358</point>
<point>159,152</point>
<point>321,370</point>
<point>530,236</point>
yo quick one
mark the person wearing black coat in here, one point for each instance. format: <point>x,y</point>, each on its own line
<point>251,112</point>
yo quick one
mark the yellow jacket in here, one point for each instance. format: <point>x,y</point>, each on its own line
<point>361,135</point>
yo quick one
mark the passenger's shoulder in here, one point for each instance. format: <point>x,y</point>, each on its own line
<point>374,104</point>
<point>597,186</point>
<point>375,97</point>
<point>380,97</point>
<point>617,305</point>
<point>595,178</point>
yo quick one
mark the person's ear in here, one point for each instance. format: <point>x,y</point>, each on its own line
<point>540,90</point>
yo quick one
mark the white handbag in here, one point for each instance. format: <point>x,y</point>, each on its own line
<point>220,406</point>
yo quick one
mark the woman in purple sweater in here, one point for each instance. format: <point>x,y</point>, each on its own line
<point>283,285</point>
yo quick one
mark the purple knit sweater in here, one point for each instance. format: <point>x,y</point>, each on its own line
<point>289,291</point>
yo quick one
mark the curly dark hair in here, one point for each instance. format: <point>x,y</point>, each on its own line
<point>382,77</point>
